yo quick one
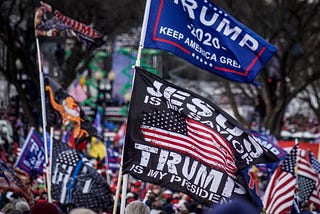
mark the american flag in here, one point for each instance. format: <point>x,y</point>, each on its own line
<point>14,180</point>
<point>170,130</point>
<point>74,180</point>
<point>3,175</point>
<point>315,196</point>
<point>279,195</point>
<point>307,176</point>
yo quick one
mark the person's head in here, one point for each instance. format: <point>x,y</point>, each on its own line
<point>38,16</point>
<point>44,196</point>
<point>44,207</point>
<point>82,211</point>
<point>137,207</point>
<point>14,212</point>
<point>131,197</point>
<point>167,195</point>
<point>238,206</point>
<point>22,206</point>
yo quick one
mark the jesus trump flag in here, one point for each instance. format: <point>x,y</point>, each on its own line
<point>177,139</point>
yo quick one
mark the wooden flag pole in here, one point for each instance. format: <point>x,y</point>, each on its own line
<point>116,200</point>
<point>43,109</point>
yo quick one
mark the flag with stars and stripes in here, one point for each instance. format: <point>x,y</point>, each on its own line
<point>75,181</point>
<point>307,176</point>
<point>315,196</point>
<point>3,175</point>
<point>178,139</point>
<point>15,180</point>
<point>280,192</point>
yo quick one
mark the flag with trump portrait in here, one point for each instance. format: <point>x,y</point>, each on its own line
<point>178,139</point>
<point>50,22</point>
<point>207,36</point>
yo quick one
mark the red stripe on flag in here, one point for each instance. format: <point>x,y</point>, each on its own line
<point>279,192</point>
<point>202,143</point>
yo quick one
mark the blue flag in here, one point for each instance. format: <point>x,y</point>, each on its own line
<point>205,35</point>
<point>269,142</point>
<point>32,156</point>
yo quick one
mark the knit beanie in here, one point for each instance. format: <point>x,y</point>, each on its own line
<point>44,207</point>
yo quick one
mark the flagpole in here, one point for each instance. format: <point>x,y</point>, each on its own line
<point>43,108</point>
<point>125,177</point>
<point>124,193</point>
<point>318,151</point>
<point>115,205</point>
<point>49,167</point>
<point>143,31</point>
<point>106,162</point>
<point>296,196</point>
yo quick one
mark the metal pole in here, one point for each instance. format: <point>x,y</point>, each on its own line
<point>43,109</point>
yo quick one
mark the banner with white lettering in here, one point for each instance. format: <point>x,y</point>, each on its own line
<point>75,181</point>
<point>207,36</point>
<point>178,139</point>
<point>270,142</point>
<point>32,156</point>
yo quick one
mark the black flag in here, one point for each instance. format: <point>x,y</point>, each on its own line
<point>178,139</point>
<point>75,181</point>
<point>64,111</point>
<point>50,22</point>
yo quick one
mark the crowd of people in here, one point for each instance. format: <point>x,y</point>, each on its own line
<point>140,198</point>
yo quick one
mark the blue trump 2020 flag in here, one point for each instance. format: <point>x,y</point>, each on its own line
<point>207,36</point>
<point>32,156</point>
